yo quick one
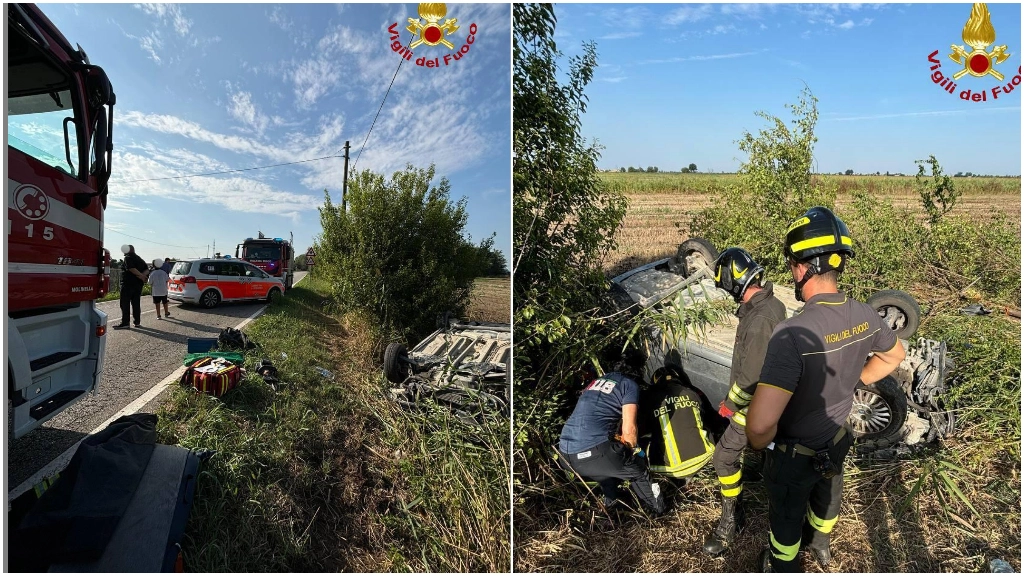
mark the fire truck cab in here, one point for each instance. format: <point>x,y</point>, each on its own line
<point>60,116</point>
<point>275,256</point>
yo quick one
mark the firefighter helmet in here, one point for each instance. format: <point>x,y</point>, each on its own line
<point>735,271</point>
<point>818,232</point>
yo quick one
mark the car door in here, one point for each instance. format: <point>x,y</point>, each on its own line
<point>232,281</point>
<point>257,284</point>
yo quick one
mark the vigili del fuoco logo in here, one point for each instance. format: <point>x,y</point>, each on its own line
<point>978,34</point>
<point>432,29</point>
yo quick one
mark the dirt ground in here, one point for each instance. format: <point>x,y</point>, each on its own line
<point>491,300</point>
<point>877,531</point>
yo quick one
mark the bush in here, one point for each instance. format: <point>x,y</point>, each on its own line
<point>398,253</point>
<point>564,222</point>
<point>775,187</point>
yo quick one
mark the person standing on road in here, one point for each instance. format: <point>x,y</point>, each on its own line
<point>158,280</point>
<point>599,440</point>
<point>134,272</point>
<point>167,265</point>
<point>760,311</point>
<point>814,362</point>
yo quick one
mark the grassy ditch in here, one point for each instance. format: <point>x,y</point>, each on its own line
<point>324,473</point>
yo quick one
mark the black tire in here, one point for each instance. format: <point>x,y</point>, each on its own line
<point>274,294</point>
<point>696,250</point>
<point>209,299</point>
<point>898,310</point>
<point>396,363</point>
<point>878,411</point>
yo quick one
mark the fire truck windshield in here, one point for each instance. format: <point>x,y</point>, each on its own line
<point>36,127</point>
<point>262,253</point>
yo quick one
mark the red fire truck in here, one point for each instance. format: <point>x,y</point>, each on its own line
<point>60,116</point>
<point>275,256</point>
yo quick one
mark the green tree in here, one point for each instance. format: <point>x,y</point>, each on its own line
<point>564,218</point>
<point>398,253</point>
<point>939,195</point>
<point>492,261</point>
<point>775,180</point>
<point>692,167</point>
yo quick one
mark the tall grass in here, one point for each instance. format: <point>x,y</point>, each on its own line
<point>323,473</point>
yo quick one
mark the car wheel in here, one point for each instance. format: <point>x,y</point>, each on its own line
<point>693,255</point>
<point>878,411</point>
<point>898,310</point>
<point>396,363</point>
<point>210,299</point>
<point>273,295</point>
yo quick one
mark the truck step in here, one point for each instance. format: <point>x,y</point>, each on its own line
<point>40,363</point>
<point>54,404</point>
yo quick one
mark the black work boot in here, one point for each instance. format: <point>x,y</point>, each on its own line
<point>823,556</point>
<point>717,541</point>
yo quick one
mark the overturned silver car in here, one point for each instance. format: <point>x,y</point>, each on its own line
<point>462,367</point>
<point>902,410</point>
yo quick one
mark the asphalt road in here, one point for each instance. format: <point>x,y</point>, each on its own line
<point>137,359</point>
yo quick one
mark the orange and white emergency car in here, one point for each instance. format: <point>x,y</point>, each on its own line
<point>210,281</point>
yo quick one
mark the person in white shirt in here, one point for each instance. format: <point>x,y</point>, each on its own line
<point>158,280</point>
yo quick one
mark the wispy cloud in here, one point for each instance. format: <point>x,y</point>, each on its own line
<point>242,109</point>
<point>699,58</point>
<point>692,13</point>
<point>621,35</point>
<point>149,42</point>
<point>960,112</point>
<point>614,79</point>
<point>169,13</point>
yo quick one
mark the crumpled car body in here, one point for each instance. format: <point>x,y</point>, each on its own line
<point>902,410</point>
<point>462,367</point>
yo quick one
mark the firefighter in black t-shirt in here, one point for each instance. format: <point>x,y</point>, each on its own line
<point>759,312</point>
<point>814,362</point>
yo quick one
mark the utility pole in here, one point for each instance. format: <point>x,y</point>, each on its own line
<point>215,247</point>
<point>344,182</point>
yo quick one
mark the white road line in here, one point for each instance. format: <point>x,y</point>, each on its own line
<point>60,462</point>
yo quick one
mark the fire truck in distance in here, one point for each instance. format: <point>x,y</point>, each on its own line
<point>59,123</point>
<point>275,256</point>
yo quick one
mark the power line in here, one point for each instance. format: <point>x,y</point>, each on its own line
<point>400,60</point>
<point>150,241</point>
<point>224,171</point>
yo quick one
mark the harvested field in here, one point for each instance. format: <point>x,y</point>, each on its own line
<point>659,205</point>
<point>491,300</point>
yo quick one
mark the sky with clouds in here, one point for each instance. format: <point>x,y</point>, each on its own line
<point>677,84</point>
<point>205,88</point>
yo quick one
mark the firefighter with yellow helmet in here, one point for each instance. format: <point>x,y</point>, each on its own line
<point>805,391</point>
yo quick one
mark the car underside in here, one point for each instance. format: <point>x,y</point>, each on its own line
<point>461,367</point>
